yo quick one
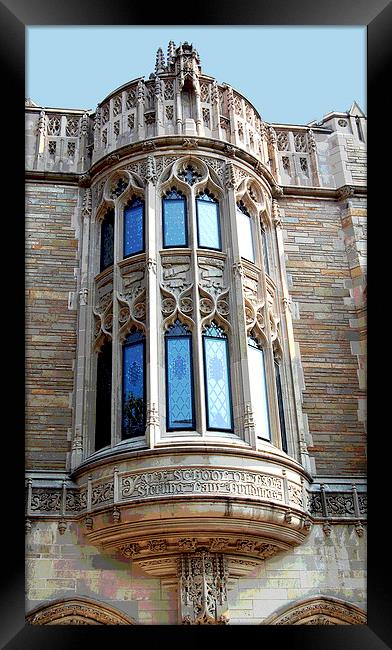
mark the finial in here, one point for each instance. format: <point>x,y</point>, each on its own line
<point>160,61</point>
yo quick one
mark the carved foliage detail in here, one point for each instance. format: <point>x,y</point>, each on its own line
<point>203,588</point>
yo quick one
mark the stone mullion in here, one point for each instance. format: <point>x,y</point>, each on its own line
<point>197,342</point>
<point>152,317</point>
<point>116,345</point>
<point>242,402</point>
<point>293,352</point>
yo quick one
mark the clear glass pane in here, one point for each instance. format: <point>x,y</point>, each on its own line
<point>133,412</point>
<point>179,382</point>
<point>245,240</point>
<point>258,391</point>
<point>174,223</point>
<point>217,383</point>
<point>208,224</point>
<point>134,228</point>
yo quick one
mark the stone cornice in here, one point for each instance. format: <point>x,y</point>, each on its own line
<point>60,178</point>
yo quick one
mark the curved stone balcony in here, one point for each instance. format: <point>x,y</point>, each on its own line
<point>161,503</point>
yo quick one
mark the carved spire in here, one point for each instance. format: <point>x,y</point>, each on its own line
<point>171,48</point>
<point>160,61</point>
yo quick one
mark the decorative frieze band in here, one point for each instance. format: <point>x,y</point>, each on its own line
<point>336,505</point>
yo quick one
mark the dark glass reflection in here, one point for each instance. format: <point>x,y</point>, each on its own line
<point>103,397</point>
<point>107,240</point>
<point>133,393</point>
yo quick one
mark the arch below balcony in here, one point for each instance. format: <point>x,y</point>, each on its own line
<point>77,611</point>
<point>320,610</point>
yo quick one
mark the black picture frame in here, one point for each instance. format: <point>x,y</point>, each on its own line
<point>15,15</point>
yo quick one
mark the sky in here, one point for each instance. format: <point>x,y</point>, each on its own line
<point>292,75</point>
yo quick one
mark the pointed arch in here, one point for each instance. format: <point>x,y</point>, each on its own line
<point>320,610</point>
<point>77,611</point>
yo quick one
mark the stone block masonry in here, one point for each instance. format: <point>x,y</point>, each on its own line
<point>51,259</point>
<point>320,274</point>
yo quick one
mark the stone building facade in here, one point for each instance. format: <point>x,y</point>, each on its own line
<point>195,359</point>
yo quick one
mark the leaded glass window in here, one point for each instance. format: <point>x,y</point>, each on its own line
<point>244,229</point>
<point>103,397</point>
<point>265,250</point>
<point>217,379</point>
<point>134,227</point>
<point>179,378</point>
<point>133,386</point>
<point>208,227</point>
<point>258,389</point>
<point>280,407</point>
<point>107,240</point>
<point>175,230</point>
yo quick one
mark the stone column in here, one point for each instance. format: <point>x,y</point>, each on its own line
<point>199,119</point>
<point>177,91</point>
<point>314,168</point>
<point>80,421</point>
<point>153,300</point>
<point>40,156</point>
<point>296,414</point>
<point>242,402</point>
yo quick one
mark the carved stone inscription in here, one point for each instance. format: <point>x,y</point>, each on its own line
<point>198,480</point>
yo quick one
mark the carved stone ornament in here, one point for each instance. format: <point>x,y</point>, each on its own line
<point>345,192</point>
<point>203,588</point>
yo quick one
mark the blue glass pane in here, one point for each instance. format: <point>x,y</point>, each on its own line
<point>133,411</point>
<point>134,228</point>
<point>107,241</point>
<point>208,224</point>
<point>179,382</point>
<point>217,384</point>
<point>174,223</point>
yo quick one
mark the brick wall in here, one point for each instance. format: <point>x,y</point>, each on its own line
<point>320,280</point>
<point>51,259</point>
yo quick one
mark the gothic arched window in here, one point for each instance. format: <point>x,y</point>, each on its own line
<point>208,226</point>
<point>283,433</point>
<point>258,389</point>
<point>174,219</point>
<point>103,410</point>
<point>244,230</point>
<point>134,227</point>
<point>179,378</point>
<point>217,379</point>
<point>107,240</point>
<point>133,386</point>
